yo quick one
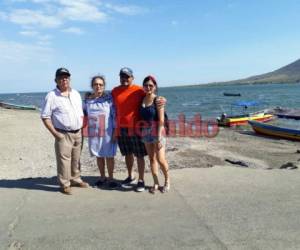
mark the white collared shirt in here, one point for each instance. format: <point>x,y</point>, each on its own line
<point>65,112</point>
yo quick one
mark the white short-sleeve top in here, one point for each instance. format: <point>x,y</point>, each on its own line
<point>65,112</point>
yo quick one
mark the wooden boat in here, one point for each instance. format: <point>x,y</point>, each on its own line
<point>245,116</point>
<point>231,94</point>
<point>287,113</point>
<point>15,106</point>
<point>231,121</point>
<point>275,131</point>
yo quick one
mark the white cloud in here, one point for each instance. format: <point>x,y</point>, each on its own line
<point>31,33</point>
<point>81,10</point>
<point>73,30</point>
<point>30,18</point>
<point>3,15</point>
<point>19,53</point>
<point>55,13</point>
<point>41,39</point>
<point>45,37</point>
<point>44,40</point>
<point>126,9</point>
<point>52,14</point>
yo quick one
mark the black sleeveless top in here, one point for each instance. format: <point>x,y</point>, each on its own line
<point>149,113</point>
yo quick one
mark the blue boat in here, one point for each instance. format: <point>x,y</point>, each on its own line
<point>249,112</point>
<point>275,131</point>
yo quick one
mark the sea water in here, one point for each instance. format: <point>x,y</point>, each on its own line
<point>206,100</point>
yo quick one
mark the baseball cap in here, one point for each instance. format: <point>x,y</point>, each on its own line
<point>62,71</point>
<point>126,71</point>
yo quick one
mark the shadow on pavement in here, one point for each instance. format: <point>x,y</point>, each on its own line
<point>50,184</point>
<point>40,183</point>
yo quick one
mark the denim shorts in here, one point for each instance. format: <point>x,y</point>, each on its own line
<point>149,135</point>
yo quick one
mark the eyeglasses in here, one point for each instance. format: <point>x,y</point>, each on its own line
<point>98,84</point>
<point>148,86</point>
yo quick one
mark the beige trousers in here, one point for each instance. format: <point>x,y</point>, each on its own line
<point>67,152</point>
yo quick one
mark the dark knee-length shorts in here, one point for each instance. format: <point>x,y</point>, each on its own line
<point>130,143</point>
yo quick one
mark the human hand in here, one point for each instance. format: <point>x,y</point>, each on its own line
<point>114,137</point>
<point>160,101</point>
<point>159,144</point>
<point>59,136</point>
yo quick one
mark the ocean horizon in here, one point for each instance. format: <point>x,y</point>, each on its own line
<point>207,100</point>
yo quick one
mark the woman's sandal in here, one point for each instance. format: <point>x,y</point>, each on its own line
<point>153,189</point>
<point>165,188</point>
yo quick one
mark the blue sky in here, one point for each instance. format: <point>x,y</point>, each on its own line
<point>180,42</point>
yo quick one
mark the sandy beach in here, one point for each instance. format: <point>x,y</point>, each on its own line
<point>26,149</point>
<point>228,192</point>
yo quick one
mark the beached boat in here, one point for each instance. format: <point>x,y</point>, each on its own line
<point>231,94</point>
<point>245,116</point>
<point>275,131</point>
<point>231,121</point>
<point>287,113</point>
<point>15,106</point>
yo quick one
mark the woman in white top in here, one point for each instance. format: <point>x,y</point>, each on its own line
<point>100,113</point>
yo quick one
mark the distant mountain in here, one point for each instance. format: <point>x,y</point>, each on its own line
<point>287,74</point>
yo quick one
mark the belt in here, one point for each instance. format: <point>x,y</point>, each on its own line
<point>67,131</point>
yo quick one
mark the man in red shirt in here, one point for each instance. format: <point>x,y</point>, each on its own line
<point>128,98</point>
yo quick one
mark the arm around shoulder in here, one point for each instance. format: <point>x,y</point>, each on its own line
<point>160,102</point>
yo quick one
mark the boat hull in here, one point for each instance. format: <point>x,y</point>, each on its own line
<point>15,106</point>
<point>231,94</point>
<point>243,120</point>
<point>286,113</point>
<point>275,131</point>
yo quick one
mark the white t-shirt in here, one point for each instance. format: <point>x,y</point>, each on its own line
<point>65,112</point>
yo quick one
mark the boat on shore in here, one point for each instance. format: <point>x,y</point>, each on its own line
<point>240,120</point>
<point>231,94</point>
<point>16,106</point>
<point>287,113</point>
<point>245,116</point>
<point>275,131</point>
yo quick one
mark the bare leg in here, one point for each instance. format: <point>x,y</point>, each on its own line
<point>129,159</point>
<point>110,163</point>
<point>161,158</point>
<point>141,167</point>
<point>101,166</point>
<point>150,147</point>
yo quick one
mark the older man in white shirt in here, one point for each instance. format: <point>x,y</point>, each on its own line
<point>63,116</point>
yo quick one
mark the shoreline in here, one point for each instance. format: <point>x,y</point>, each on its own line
<point>212,204</point>
<point>26,150</point>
